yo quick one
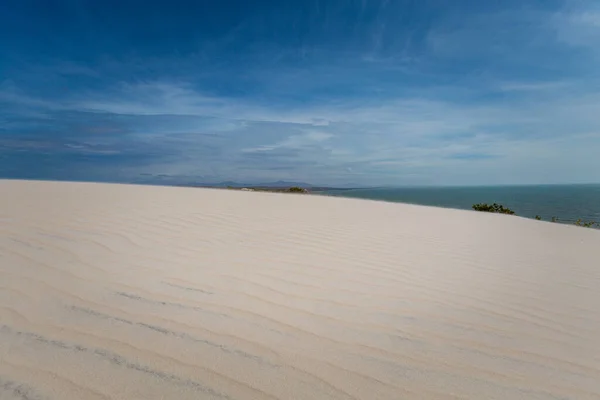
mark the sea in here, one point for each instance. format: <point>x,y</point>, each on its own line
<point>565,203</point>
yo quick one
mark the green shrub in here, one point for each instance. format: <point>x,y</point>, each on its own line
<point>589,224</point>
<point>296,189</point>
<point>497,208</point>
<point>493,208</point>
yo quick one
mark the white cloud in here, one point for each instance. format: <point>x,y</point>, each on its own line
<point>579,27</point>
<point>293,142</point>
<point>404,132</point>
<point>11,94</point>
<point>532,86</point>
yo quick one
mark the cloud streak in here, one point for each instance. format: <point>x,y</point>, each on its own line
<point>433,96</point>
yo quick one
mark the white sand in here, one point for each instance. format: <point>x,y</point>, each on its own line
<point>134,292</point>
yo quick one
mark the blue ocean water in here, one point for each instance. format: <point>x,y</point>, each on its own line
<point>565,202</point>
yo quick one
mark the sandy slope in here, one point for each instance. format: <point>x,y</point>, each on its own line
<point>133,292</point>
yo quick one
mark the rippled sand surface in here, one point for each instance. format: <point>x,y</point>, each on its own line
<point>138,292</point>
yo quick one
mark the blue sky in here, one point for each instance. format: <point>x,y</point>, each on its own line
<point>367,92</point>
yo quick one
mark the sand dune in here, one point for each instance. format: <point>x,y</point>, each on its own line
<point>136,292</point>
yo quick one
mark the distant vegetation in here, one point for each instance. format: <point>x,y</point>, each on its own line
<point>296,189</point>
<point>579,222</point>
<point>293,189</point>
<point>493,208</point>
<point>497,208</point>
<point>588,224</point>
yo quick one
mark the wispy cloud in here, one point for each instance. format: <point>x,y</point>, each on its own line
<point>293,142</point>
<point>579,27</point>
<point>532,86</point>
<point>387,94</point>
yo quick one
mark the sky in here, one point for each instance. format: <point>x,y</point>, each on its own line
<point>329,92</point>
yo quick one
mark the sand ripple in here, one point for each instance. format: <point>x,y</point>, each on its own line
<point>135,292</point>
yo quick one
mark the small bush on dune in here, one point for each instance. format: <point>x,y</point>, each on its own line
<point>493,208</point>
<point>497,208</point>
<point>588,224</point>
<point>579,222</point>
<point>296,189</point>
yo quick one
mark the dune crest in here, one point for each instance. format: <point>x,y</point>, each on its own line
<point>140,292</point>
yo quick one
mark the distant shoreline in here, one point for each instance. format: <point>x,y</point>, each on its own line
<point>276,189</point>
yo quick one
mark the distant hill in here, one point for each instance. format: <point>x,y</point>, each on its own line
<point>186,181</point>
